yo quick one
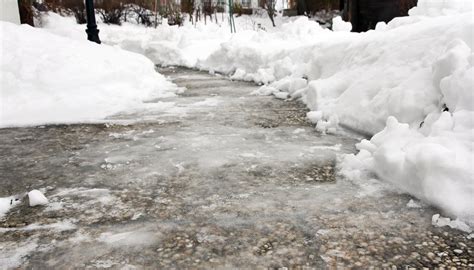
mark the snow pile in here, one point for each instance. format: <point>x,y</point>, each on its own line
<point>267,56</point>
<point>47,78</point>
<point>359,80</point>
<point>168,45</point>
<point>432,160</point>
<point>6,204</point>
<point>180,48</point>
<point>441,7</point>
<point>35,197</point>
<point>339,25</point>
<point>257,52</point>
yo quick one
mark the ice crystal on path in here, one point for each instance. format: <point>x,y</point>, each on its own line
<point>440,221</point>
<point>413,204</point>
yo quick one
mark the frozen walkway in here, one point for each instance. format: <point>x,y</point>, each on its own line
<point>213,178</point>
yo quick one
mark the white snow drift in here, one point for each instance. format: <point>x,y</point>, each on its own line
<point>46,78</point>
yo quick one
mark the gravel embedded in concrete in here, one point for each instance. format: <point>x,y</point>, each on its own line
<point>213,178</point>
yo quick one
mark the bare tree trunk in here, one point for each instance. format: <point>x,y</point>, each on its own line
<point>273,20</point>
<point>26,12</point>
<point>301,7</point>
<point>156,13</point>
<point>270,7</point>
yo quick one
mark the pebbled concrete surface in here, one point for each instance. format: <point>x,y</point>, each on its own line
<point>212,178</point>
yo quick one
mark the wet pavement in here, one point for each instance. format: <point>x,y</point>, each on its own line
<point>213,178</point>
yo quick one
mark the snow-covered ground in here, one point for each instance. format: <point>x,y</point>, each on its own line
<point>409,83</point>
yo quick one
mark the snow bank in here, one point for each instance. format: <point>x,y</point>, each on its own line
<point>357,80</point>
<point>435,161</point>
<point>167,45</point>
<point>47,78</point>
<point>254,53</point>
<point>429,153</point>
<point>264,57</point>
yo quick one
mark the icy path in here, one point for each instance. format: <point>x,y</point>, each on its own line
<point>214,178</point>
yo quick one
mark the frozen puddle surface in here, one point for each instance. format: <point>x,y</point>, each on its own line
<point>213,178</point>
